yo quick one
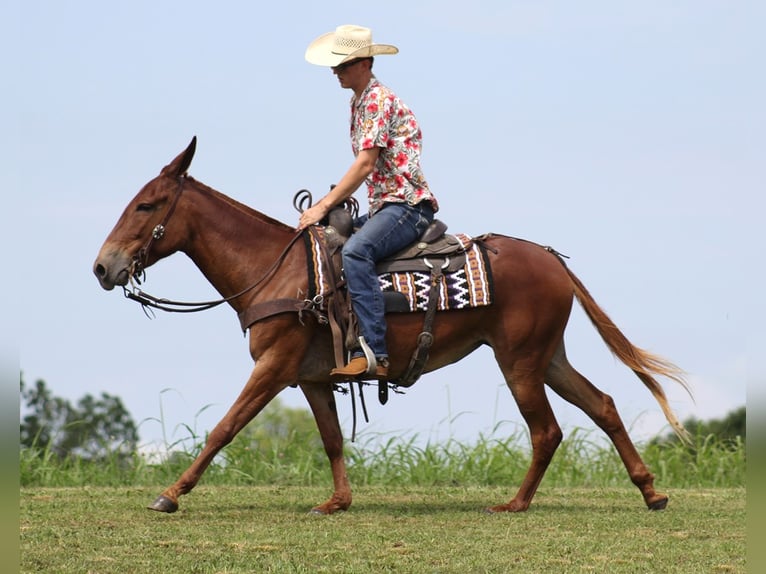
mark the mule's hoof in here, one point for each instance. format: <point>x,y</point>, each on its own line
<point>659,504</point>
<point>163,504</point>
<point>327,510</point>
<point>511,507</point>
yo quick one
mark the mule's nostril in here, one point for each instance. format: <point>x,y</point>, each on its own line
<point>99,270</point>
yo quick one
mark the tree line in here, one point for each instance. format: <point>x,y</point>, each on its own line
<point>93,428</point>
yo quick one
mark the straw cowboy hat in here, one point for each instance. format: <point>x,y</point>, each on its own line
<point>347,43</point>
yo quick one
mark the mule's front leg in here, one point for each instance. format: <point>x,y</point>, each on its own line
<point>322,403</point>
<point>260,389</point>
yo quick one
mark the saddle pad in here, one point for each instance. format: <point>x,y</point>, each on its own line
<point>469,286</point>
<point>466,287</point>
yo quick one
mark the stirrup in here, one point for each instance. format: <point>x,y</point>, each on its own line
<point>372,361</point>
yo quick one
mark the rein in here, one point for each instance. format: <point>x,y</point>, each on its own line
<point>137,270</point>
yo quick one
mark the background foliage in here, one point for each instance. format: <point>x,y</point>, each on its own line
<point>94,429</point>
<point>96,443</point>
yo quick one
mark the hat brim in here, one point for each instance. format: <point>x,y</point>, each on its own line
<point>320,51</point>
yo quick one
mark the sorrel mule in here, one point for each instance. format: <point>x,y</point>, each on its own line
<point>251,258</point>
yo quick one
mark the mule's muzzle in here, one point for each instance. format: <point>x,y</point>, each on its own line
<point>112,270</point>
<point>107,281</point>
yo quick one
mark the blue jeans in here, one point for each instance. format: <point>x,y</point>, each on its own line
<point>389,230</point>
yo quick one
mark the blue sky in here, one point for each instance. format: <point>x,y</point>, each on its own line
<point>627,135</point>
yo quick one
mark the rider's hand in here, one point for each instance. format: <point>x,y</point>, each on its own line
<point>312,215</point>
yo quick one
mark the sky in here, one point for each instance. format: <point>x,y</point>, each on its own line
<point>627,135</point>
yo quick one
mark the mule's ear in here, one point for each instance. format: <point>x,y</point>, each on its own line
<point>181,163</point>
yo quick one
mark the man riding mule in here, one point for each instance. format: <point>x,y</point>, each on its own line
<point>259,267</point>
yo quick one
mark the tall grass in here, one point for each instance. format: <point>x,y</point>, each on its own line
<point>374,460</point>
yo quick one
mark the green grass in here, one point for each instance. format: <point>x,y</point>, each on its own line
<point>238,529</point>
<point>416,509</point>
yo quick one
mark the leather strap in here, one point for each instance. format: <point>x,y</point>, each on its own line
<point>335,300</point>
<point>261,311</point>
<point>139,259</point>
<point>426,338</point>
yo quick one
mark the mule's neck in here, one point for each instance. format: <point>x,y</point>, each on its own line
<point>235,246</point>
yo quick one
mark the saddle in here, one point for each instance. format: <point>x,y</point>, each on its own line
<point>433,244</point>
<point>435,252</point>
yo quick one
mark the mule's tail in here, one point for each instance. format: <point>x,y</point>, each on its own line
<point>644,364</point>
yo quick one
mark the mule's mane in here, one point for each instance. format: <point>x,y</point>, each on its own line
<point>239,206</point>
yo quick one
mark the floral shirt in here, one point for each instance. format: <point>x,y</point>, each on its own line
<point>380,119</point>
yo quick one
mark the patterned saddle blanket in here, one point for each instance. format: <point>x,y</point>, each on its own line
<point>466,283</point>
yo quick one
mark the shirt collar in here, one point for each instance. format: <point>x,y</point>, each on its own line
<point>356,102</point>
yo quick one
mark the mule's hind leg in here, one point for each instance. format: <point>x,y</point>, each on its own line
<point>576,389</point>
<point>322,403</point>
<point>528,389</point>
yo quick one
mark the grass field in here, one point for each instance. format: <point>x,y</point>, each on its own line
<point>228,529</point>
<point>416,509</point>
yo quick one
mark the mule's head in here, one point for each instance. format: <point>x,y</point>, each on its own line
<point>140,237</point>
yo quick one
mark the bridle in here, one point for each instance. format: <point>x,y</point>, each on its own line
<point>137,269</point>
<point>138,263</point>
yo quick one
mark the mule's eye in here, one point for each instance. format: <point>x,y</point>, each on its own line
<point>145,207</point>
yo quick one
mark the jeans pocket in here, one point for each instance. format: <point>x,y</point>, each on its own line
<point>422,225</point>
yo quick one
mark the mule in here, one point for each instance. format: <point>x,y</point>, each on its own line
<point>252,259</point>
